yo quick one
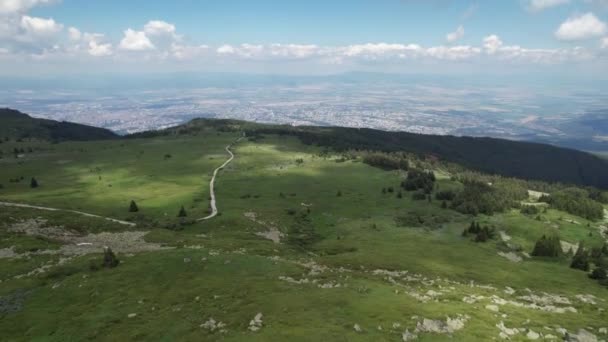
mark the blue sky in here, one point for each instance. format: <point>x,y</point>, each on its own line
<point>321,22</point>
<point>51,36</point>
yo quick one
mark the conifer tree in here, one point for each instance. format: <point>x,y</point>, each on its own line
<point>133,207</point>
<point>182,212</point>
<point>580,261</point>
<point>33,183</point>
<point>109,258</point>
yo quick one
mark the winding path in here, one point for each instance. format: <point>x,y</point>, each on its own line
<point>19,205</point>
<point>212,182</point>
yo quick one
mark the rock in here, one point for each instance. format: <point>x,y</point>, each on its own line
<point>187,260</point>
<point>132,315</point>
<point>603,331</point>
<point>357,328</point>
<point>256,323</point>
<point>582,336</point>
<point>587,299</point>
<point>505,332</point>
<point>504,236</point>
<point>511,256</point>
<point>532,335</point>
<point>472,299</point>
<point>408,336</point>
<point>509,290</point>
<point>442,327</point>
<point>492,307</point>
<point>212,325</point>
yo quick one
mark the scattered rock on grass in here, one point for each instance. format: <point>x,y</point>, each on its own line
<point>212,325</point>
<point>449,326</point>
<point>256,323</point>
<point>408,336</point>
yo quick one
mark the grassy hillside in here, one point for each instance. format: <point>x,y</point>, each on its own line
<point>16,125</point>
<point>496,156</point>
<point>324,246</point>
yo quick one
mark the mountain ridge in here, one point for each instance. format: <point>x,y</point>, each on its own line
<point>17,125</point>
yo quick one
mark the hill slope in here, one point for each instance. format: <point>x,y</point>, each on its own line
<point>497,156</point>
<point>17,125</point>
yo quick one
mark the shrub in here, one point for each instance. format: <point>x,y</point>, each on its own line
<point>419,180</point>
<point>182,212</point>
<point>33,183</point>
<point>418,196</point>
<point>576,202</point>
<point>445,195</point>
<point>598,274</point>
<point>529,210</point>
<point>386,161</point>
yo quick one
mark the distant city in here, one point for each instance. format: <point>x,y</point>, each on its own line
<point>567,118</point>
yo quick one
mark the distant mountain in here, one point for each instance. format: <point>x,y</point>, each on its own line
<point>17,125</point>
<point>526,160</point>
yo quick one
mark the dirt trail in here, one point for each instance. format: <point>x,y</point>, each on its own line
<point>20,205</point>
<point>212,182</point>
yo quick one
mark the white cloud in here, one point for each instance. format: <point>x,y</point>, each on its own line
<point>226,50</point>
<point>581,27</point>
<point>376,50</point>
<point>604,43</point>
<point>74,33</point>
<point>453,52</point>
<point>159,27</point>
<point>135,41</point>
<point>456,35</point>
<point>293,50</point>
<point>184,52</point>
<point>20,6</point>
<point>99,50</point>
<point>539,5</point>
<point>492,44</point>
<point>40,26</point>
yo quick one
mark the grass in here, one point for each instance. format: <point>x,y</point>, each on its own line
<point>235,274</point>
<point>103,177</point>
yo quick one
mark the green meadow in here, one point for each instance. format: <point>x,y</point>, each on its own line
<point>346,268</point>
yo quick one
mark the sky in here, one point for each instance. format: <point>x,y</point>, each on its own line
<point>566,38</point>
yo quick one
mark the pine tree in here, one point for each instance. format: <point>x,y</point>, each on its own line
<point>339,193</point>
<point>33,183</point>
<point>547,247</point>
<point>133,207</point>
<point>182,212</point>
<point>580,261</point>
<point>482,236</point>
<point>472,228</point>
<point>444,205</point>
<point>109,258</point>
